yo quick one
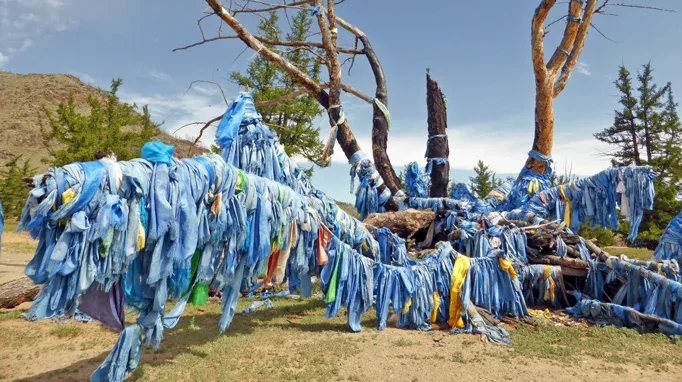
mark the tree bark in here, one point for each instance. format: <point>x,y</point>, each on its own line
<point>549,82</point>
<point>14,293</point>
<point>437,147</point>
<point>380,123</point>
<point>404,223</point>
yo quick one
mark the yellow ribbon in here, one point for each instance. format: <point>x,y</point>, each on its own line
<point>545,313</point>
<point>406,307</point>
<point>68,195</point>
<point>506,265</point>
<point>459,273</point>
<point>436,305</point>
<point>141,238</point>
<point>552,285</point>
<point>567,211</point>
<point>533,186</point>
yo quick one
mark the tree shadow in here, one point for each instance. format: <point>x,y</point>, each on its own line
<point>202,329</point>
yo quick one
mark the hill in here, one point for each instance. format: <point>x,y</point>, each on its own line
<point>21,99</point>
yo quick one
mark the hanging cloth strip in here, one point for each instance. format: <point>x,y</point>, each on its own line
<point>331,142</point>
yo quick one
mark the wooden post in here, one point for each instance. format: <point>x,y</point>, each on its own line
<point>437,147</point>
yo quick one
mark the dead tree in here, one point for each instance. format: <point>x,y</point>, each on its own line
<point>328,94</point>
<point>551,77</point>
<point>437,149</point>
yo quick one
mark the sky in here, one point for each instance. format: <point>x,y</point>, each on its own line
<point>479,53</point>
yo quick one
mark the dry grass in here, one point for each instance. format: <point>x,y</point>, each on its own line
<point>294,342</point>
<point>633,253</point>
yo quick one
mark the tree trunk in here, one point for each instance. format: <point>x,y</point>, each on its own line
<point>380,123</point>
<point>437,147</point>
<point>16,292</point>
<point>635,143</point>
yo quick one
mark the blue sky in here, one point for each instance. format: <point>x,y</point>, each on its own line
<point>479,54</point>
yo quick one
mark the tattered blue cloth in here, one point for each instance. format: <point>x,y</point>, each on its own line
<point>621,316</point>
<point>157,152</point>
<point>670,245</point>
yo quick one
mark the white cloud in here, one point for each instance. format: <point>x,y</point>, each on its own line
<point>26,44</point>
<point>180,109</point>
<point>3,59</point>
<point>23,21</point>
<point>583,69</point>
<point>503,149</point>
<point>159,76</point>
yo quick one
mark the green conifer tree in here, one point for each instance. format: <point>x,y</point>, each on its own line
<point>484,181</point>
<point>111,127</point>
<point>292,120</point>
<point>13,190</point>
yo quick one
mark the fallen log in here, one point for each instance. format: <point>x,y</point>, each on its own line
<point>16,292</point>
<point>405,224</point>
<point>564,262</point>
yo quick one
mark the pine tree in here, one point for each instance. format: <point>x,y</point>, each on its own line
<point>648,111</point>
<point>106,130</point>
<point>13,190</point>
<point>292,120</point>
<point>649,121</point>
<point>484,181</point>
<point>624,132</point>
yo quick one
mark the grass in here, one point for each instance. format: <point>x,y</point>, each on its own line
<point>295,342</point>
<point>10,315</point>
<point>633,253</point>
<point>266,344</point>
<point>567,345</point>
<point>404,343</point>
<point>458,357</point>
<point>66,331</point>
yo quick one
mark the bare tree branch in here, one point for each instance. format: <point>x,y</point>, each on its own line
<point>351,90</point>
<point>554,22</point>
<point>201,132</point>
<point>573,19</point>
<point>602,34</point>
<point>271,7</point>
<point>209,82</point>
<point>188,124</point>
<point>642,7</point>
<point>271,42</point>
<point>577,48</point>
<point>537,40</point>
<point>204,41</point>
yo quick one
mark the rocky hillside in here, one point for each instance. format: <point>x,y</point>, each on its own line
<point>21,99</point>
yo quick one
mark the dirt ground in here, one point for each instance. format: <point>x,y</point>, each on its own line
<point>294,341</point>
<point>17,251</point>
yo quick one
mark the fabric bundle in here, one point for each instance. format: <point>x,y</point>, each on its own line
<point>461,192</point>
<point>530,182</point>
<point>670,245</point>
<point>621,316</point>
<point>593,200</point>
<point>645,291</point>
<point>416,182</point>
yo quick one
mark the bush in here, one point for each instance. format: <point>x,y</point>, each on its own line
<point>604,236</point>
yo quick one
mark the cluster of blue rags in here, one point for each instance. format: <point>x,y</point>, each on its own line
<point>150,231</point>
